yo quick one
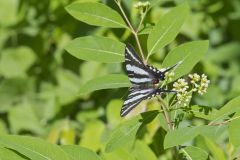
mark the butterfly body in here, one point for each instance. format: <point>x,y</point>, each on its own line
<point>144,79</point>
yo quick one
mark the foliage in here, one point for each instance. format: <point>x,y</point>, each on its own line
<point>62,79</point>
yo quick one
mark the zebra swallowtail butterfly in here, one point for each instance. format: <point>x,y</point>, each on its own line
<point>143,77</point>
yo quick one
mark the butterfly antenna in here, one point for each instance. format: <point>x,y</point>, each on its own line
<point>174,66</point>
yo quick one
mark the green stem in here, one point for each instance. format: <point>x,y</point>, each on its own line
<point>132,30</point>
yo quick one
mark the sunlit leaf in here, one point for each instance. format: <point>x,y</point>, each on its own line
<point>189,53</point>
<point>34,148</point>
<point>76,152</point>
<point>105,82</point>
<point>119,154</point>
<point>216,150</point>
<point>234,128</point>
<point>142,151</point>
<point>96,49</point>
<point>124,135</point>
<point>7,154</point>
<point>96,14</point>
<point>167,28</point>
<point>95,128</point>
<point>195,153</point>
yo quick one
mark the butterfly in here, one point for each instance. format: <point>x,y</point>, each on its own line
<point>143,78</point>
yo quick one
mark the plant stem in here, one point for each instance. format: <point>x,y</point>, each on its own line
<point>166,115</point>
<point>224,122</point>
<point>132,30</point>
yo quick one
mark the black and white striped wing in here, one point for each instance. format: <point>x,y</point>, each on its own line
<point>138,72</point>
<point>137,95</point>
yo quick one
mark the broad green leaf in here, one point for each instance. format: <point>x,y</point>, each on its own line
<point>15,62</point>
<point>105,82</point>
<point>119,154</point>
<point>229,108</point>
<point>33,148</point>
<point>172,138</point>
<point>189,53</point>
<point>124,135</point>
<point>188,133</point>
<point>7,154</point>
<point>234,128</point>
<point>23,118</point>
<point>207,113</point>
<point>142,151</point>
<point>9,12</point>
<point>13,90</point>
<point>95,128</point>
<point>96,14</point>
<point>113,116</point>
<point>92,48</point>
<point>216,150</point>
<point>167,28</point>
<point>76,152</point>
<point>195,153</point>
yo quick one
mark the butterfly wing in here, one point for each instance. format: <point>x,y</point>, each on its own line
<point>137,95</point>
<point>138,72</point>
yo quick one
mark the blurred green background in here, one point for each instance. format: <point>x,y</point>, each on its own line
<point>39,80</point>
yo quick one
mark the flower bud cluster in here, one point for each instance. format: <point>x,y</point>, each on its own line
<point>140,5</point>
<point>199,85</point>
<point>183,96</point>
<point>169,76</point>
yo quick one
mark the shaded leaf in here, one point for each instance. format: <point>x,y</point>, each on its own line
<point>96,14</point>
<point>96,49</point>
<point>105,82</point>
<point>189,53</point>
<point>167,28</point>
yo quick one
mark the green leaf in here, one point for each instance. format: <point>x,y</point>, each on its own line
<point>92,48</point>
<point>216,150</point>
<point>167,28</point>
<point>8,12</point>
<point>105,82</point>
<point>7,154</point>
<point>23,118</point>
<point>231,107</point>
<point>112,112</point>
<point>96,14</point>
<point>124,135</point>
<point>80,153</point>
<point>207,113</point>
<point>95,128</point>
<point>15,62</point>
<point>120,154</point>
<point>195,153</point>
<point>188,133</point>
<point>142,151</point>
<point>33,148</point>
<point>234,128</point>
<point>189,53</point>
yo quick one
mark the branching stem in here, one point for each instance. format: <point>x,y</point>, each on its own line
<point>134,32</point>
